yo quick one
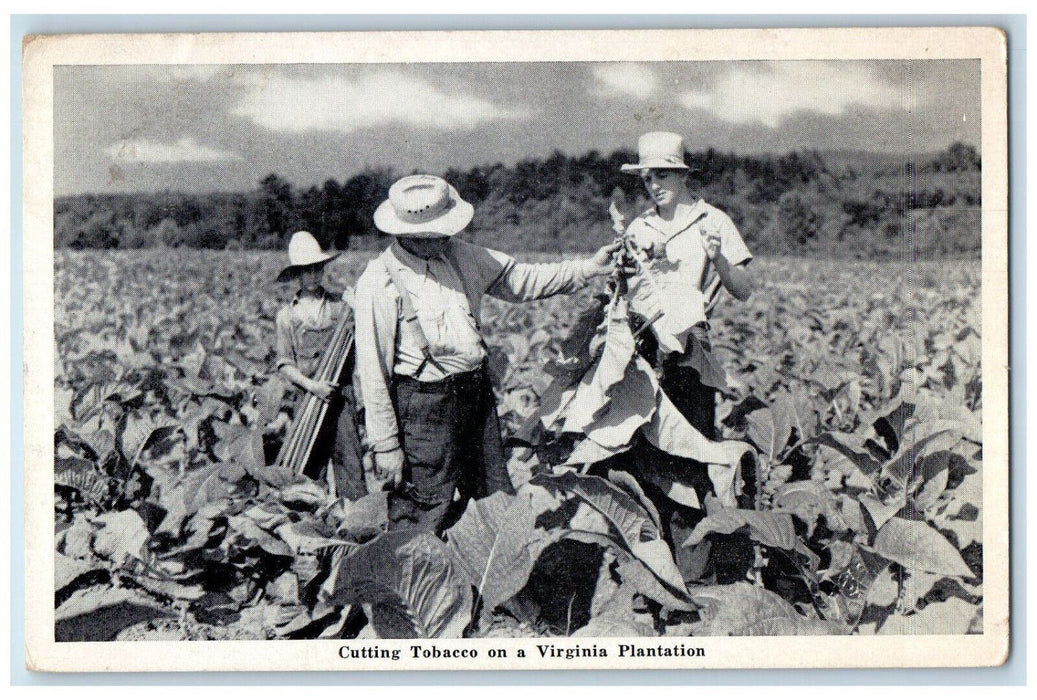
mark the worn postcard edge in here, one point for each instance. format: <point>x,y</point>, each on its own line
<point>42,53</point>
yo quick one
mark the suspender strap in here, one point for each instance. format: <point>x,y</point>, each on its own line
<point>410,316</point>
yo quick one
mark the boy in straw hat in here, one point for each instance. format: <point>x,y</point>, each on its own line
<point>704,253</point>
<point>430,410</point>
<point>304,329</point>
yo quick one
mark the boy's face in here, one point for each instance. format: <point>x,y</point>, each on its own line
<point>310,278</point>
<point>665,186</point>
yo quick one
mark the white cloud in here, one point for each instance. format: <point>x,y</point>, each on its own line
<point>634,79</point>
<point>184,150</point>
<point>747,94</point>
<point>295,105</point>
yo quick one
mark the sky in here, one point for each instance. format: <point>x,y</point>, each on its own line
<point>199,128</point>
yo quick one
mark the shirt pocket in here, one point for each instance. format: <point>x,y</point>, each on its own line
<point>465,334</point>
<point>431,324</point>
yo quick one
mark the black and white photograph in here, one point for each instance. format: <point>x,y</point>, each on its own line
<point>502,350</point>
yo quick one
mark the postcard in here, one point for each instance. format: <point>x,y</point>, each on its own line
<point>654,349</point>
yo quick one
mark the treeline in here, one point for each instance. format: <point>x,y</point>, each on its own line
<point>803,202</point>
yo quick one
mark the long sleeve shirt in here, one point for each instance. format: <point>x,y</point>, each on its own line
<point>446,293</point>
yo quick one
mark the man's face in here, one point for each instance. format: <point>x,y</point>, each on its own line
<point>425,248</point>
<point>664,186</point>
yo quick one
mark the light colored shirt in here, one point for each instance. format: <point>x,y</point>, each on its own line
<point>305,328</point>
<point>681,239</point>
<point>446,293</point>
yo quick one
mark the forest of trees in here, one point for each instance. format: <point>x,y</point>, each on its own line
<point>805,202</point>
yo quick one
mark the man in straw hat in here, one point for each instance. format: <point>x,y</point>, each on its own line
<point>430,410</point>
<point>703,254</point>
<point>706,254</point>
<point>304,330</point>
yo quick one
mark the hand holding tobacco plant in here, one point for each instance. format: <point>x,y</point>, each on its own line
<point>711,242</point>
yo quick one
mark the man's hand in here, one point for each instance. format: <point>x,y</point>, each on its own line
<point>322,390</point>
<point>603,261</point>
<point>389,465</point>
<point>711,242</point>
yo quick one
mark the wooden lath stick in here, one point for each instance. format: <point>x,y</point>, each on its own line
<point>302,435</point>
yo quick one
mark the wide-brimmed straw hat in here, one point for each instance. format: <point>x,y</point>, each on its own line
<point>423,206</point>
<point>303,251</point>
<point>658,149</point>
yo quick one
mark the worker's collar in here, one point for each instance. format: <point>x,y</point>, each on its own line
<point>685,212</point>
<point>409,259</point>
<point>321,294</point>
<point>684,218</point>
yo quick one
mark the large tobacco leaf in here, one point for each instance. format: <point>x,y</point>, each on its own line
<point>853,448</point>
<point>596,409</point>
<point>902,466</point>
<point>495,544</point>
<point>628,483</point>
<point>769,428</point>
<point>740,609</point>
<point>99,613</point>
<point>141,432</point>
<point>633,525</point>
<point>660,291</point>
<point>410,581</point>
<point>181,495</point>
<point>635,572</point>
<point>770,528</point>
<point>240,445</point>
<point>916,546</point>
<point>122,534</point>
<point>808,500</point>
<point>620,396</point>
<point>671,432</point>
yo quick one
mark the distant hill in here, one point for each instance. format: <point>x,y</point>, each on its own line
<point>832,203</point>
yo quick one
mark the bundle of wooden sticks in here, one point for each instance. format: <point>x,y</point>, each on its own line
<point>335,366</point>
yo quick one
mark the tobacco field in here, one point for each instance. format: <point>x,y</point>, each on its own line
<point>857,386</point>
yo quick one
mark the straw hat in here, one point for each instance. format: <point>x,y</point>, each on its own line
<point>658,149</point>
<point>303,251</point>
<point>423,206</point>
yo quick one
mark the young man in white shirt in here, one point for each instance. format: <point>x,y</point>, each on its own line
<point>706,253</point>
<point>702,253</point>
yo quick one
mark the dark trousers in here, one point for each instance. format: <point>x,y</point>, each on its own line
<point>451,439</point>
<point>339,441</point>
<point>695,401</point>
<point>723,558</point>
